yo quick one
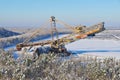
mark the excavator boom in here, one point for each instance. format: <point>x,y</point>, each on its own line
<point>81,32</point>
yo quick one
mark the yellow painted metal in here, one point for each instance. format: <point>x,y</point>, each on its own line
<point>80,32</point>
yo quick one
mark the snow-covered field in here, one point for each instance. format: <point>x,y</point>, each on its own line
<point>96,47</point>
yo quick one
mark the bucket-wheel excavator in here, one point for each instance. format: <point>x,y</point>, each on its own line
<point>58,45</point>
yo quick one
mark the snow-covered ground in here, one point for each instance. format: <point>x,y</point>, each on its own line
<point>96,47</point>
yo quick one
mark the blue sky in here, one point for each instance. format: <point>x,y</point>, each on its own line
<point>25,13</point>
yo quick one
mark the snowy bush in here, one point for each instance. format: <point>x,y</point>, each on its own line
<point>52,67</point>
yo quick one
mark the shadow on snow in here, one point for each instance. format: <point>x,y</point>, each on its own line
<point>90,51</point>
